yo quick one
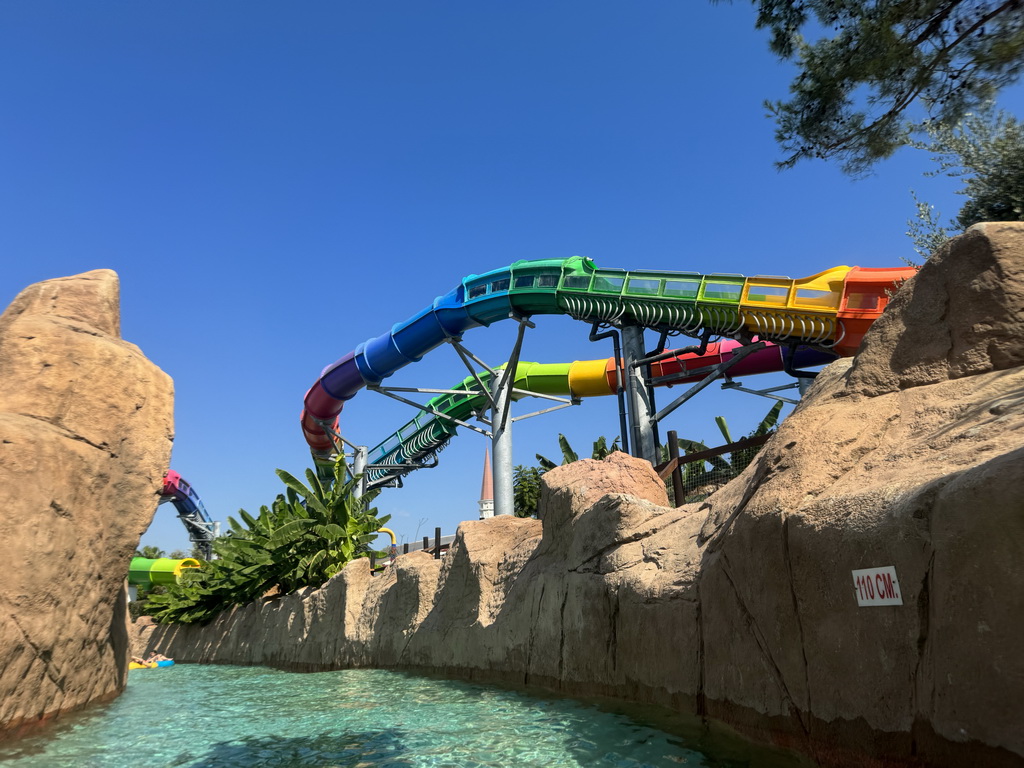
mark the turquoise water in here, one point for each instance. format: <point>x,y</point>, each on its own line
<point>190,716</point>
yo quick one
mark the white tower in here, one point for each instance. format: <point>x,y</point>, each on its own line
<point>487,489</point>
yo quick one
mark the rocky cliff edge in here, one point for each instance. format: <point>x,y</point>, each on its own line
<point>85,437</point>
<point>743,608</point>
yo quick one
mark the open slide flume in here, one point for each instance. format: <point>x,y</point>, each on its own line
<point>830,311</point>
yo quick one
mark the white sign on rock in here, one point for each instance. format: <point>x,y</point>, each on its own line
<point>877,586</point>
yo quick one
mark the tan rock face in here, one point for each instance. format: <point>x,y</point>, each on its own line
<point>742,608</point>
<point>962,314</point>
<point>85,437</point>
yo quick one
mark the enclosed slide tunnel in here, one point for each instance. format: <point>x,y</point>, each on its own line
<point>832,309</point>
<point>146,573</point>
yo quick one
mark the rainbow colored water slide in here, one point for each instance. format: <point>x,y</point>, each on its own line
<point>202,530</point>
<point>432,428</point>
<point>829,310</point>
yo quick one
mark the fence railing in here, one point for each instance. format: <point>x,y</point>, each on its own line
<point>440,546</point>
<point>688,481</point>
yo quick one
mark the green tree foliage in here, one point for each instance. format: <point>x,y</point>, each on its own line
<point>302,539</point>
<point>925,230</point>
<point>872,60</point>
<point>152,553</point>
<point>740,459</point>
<point>599,451</point>
<point>986,150</point>
<point>526,490</point>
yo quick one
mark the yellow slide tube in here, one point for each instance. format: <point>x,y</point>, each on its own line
<point>587,378</point>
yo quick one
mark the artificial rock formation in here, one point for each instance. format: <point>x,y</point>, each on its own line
<point>742,609</point>
<point>85,437</point>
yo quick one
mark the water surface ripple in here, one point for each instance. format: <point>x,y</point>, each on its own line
<point>190,716</point>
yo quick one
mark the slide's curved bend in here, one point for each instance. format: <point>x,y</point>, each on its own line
<point>831,309</point>
<point>193,515</point>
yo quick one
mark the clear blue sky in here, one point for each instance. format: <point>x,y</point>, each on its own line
<point>277,182</point>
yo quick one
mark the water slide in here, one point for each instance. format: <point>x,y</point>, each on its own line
<point>146,572</point>
<point>830,310</point>
<point>202,530</point>
<point>431,429</point>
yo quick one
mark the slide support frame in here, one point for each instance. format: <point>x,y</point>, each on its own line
<point>359,461</point>
<point>641,425</point>
<point>620,391</point>
<point>769,392</point>
<point>501,426</point>
<point>501,448</point>
<point>718,372</point>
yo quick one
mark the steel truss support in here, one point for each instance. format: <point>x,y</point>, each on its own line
<point>387,391</point>
<point>596,334</point>
<point>641,424</point>
<point>359,456</point>
<point>499,399</point>
<point>769,393</point>
<point>359,461</point>
<point>465,355</point>
<point>716,372</point>
<point>568,404</point>
<point>501,426</point>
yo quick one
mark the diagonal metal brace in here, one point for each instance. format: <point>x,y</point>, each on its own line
<point>428,409</point>
<point>545,410</point>
<point>718,372</point>
<point>513,363</point>
<point>465,355</point>
<point>425,391</point>
<point>544,396</point>
<point>765,392</point>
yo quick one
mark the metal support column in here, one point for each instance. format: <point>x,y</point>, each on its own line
<point>678,492</point>
<point>359,461</point>
<point>501,445</point>
<point>641,427</point>
<point>501,425</point>
<point>620,389</point>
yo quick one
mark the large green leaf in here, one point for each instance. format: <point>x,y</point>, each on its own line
<point>770,419</point>
<point>723,427</point>
<point>250,521</point>
<point>568,454</point>
<point>303,538</point>
<point>311,561</point>
<point>330,531</point>
<point>308,495</point>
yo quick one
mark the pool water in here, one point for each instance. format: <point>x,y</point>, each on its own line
<point>190,716</point>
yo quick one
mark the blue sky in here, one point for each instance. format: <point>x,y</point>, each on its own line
<point>275,183</point>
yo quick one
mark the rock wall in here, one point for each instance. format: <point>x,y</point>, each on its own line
<point>85,437</point>
<point>743,608</point>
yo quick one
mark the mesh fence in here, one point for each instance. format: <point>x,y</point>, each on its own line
<point>705,472</point>
<point>701,482</point>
